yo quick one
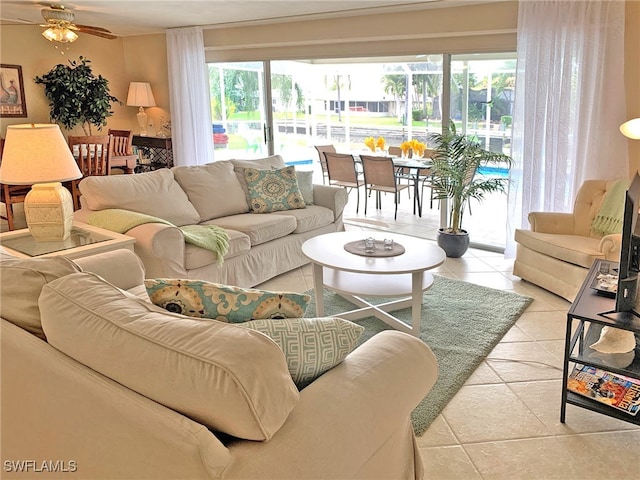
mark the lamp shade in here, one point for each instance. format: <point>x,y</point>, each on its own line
<point>36,153</point>
<point>631,128</point>
<point>140,95</point>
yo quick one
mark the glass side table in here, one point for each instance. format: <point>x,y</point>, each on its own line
<point>84,240</point>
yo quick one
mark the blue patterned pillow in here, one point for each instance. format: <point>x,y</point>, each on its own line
<point>311,346</point>
<point>196,298</point>
<point>273,190</point>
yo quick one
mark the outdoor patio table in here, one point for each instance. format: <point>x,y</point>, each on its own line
<point>414,165</point>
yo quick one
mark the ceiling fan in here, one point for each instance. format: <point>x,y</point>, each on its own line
<point>60,27</point>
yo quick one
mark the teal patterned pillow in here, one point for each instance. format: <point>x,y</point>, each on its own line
<point>196,298</point>
<point>311,346</point>
<point>273,190</point>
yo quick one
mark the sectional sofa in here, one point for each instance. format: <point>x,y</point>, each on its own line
<point>121,389</point>
<point>261,245</point>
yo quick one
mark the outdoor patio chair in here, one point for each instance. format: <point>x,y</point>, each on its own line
<point>323,161</point>
<point>342,171</point>
<point>380,176</point>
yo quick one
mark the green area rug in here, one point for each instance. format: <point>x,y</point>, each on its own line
<point>462,322</point>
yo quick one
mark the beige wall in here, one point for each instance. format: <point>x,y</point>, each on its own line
<point>120,61</point>
<point>488,27</point>
<point>477,28</point>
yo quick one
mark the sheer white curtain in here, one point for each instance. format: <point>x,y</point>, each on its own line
<point>191,133</point>
<point>569,104</point>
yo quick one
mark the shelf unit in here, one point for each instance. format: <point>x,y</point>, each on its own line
<point>158,152</point>
<point>588,316</point>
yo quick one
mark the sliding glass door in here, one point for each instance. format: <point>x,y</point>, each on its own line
<point>482,93</point>
<point>343,102</point>
<point>288,107</point>
<point>239,119</point>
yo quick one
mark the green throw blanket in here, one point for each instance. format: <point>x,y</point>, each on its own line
<point>609,219</point>
<point>210,237</point>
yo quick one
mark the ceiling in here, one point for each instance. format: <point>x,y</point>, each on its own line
<point>136,17</point>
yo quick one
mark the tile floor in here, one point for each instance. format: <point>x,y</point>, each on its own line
<point>504,422</point>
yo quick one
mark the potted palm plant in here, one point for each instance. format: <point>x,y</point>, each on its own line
<point>455,163</point>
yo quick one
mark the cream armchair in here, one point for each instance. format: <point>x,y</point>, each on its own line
<point>558,250</point>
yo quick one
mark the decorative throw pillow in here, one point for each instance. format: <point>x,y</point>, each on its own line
<point>266,163</point>
<point>196,298</point>
<point>305,183</point>
<point>273,190</point>
<point>311,345</point>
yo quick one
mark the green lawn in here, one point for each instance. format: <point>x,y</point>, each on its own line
<point>354,120</point>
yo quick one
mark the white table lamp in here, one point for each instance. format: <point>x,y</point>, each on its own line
<point>631,128</point>
<point>38,155</point>
<point>140,95</point>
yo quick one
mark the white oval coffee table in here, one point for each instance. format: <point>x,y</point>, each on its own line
<point>353,276</point>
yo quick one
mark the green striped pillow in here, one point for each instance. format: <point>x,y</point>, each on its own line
<point>311,346</point>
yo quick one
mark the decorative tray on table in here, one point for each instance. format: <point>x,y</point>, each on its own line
<point>606,284</point>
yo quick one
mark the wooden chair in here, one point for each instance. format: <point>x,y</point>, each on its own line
<point>342,171</point>
<point>380,176</point>
<point>10,195</point>
<point>323,161</point>
<point>93,154</point>
<point>122,156</point>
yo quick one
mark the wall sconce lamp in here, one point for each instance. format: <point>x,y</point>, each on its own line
<point>140,95</point>
<point>631,128</point>
<point>38,155</point>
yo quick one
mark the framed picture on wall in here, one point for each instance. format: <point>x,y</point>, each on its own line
<point>12,101</point>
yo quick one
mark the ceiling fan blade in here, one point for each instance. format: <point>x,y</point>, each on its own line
<point>91,27</point>
<point>97,33</point>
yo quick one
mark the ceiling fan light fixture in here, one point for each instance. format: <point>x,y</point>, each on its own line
<point>60,34</point>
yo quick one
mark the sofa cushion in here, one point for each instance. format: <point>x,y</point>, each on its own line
<point>154,193</point>
<point>213,189</point>
<point>22,282</point>
<point>196,257</point>
<point>305,184</point>
<point>259,228</point>
<point>574,249</point>
<point>225,303</point>
<point>213,372</point>
<point>273,190</point>
<point>311,346</point>
<point>310,218</point>
<point>267,163</point>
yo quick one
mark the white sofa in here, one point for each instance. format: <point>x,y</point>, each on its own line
<point>261,246</point>
<point>60,415</point>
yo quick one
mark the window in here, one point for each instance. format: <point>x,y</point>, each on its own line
<point>343,101</point>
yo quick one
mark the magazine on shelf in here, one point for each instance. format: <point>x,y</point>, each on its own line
<point>615,390</point>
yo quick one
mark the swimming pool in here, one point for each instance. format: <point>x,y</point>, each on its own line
<point>494,171</point>
<point>299,162</point>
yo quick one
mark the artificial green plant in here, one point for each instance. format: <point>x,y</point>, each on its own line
<point>77,96</point>
<point>456,160</point>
